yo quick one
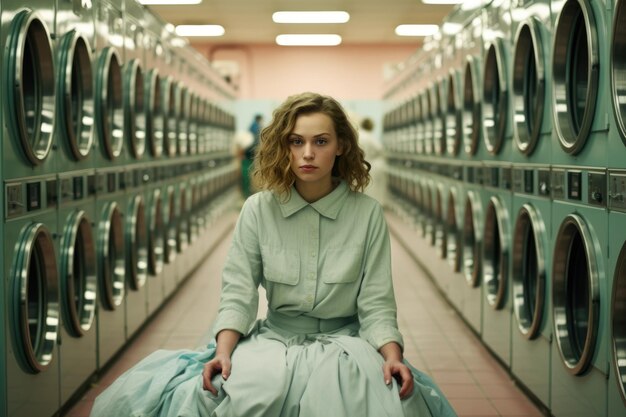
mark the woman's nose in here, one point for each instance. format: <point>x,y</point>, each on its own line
<point>308,151</point>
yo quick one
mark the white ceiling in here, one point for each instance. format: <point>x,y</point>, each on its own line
<point>250,21</point>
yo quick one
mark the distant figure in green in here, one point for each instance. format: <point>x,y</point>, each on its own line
<point>248,155</point>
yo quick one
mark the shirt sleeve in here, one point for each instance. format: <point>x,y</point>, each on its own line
<point>241,276</point>
<point>376,302</point>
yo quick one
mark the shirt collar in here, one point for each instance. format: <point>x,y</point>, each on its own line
<point>327,206</point>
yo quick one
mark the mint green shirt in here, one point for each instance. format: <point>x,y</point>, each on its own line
<point>326,259</point>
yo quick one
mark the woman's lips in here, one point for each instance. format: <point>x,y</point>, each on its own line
<point>308,168</point>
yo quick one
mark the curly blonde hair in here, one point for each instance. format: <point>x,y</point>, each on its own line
<point>272,169</point>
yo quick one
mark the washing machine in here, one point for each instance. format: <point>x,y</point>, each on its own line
<point>496,96</point>
<point>418,129</point>
<point>437,261</point>
<point>30,296</point>
<point>496,260</point>
<point>29,329</point>
<point>617,287</point>
<point>156,88</point>
<point>170,91</point>
<point>75,87</point>
<point>111,263</point>
<point>454,224</point>
<point>109,85</point>
<point>183,258</point>
<point>579,292</point>
<point>617,220</point>
<point>134,74</point>
<point>136,247</point>
<point>531,260</point>
<point>156,92</point>
<point>78,280</point>
<point>170,244</point>
<point>452,98</point>
<point>617,133</point>
<point>29,106</point>
<point>182,125</point>
<point>471,262</point>
<point>169,77</point>
<point>580,75</point>
<point>531,83</point>
<point>155,222</point>
<point>471,82</point>
<point>473,151</point>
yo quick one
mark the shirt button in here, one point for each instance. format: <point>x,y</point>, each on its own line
<point>308,298</point>
<point>311,275</point>
<point>313,254</point>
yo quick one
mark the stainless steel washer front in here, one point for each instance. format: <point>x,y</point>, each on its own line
<point>529,271</point>
<point>34,312</point>
<point>576,294</point>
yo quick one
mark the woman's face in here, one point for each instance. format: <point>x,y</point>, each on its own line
<point>314,145</point>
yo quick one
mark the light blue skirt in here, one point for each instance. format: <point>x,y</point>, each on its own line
<point>275,373</point>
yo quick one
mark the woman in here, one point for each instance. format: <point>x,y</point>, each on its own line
<point>330,345</point>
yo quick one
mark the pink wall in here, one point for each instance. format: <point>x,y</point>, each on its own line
<point>347,72</point>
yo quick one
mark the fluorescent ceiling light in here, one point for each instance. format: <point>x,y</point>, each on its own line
<point>310,17</point>
<point>416,30</point>
<point>199,30</point>
<point>450,28</point>
<point>169,2</point>
<point>308,40</point>
<point>442,1</point>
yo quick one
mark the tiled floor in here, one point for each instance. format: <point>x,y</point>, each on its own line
<point>436,340</point>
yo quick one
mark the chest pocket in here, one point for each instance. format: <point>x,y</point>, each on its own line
<point>280,265</point>
<point>343,265</point>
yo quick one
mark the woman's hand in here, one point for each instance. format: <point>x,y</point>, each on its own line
<point>226,342</point>
<point>394,366</point>
<point>220,363</point>
<point>401,373</point>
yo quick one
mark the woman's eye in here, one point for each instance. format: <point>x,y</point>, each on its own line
<point>295,141</point>
<point>322,141</point>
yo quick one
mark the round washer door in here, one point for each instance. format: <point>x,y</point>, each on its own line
<point>156,234</point>
<point>78,274</point>
<point>110,103</point>
<point>575,71</point>
<point>618,68</point>
<point>529,270</point>
<point>182,125</point>
<point>31,97</point>
<point>438,117</point>
<point>495,97</point>
<point>170,221</point>
<point>34,310</point>
<point>155,113</point>
<point>182,223</point>
<point>471,112</point>
<point>618,322</point>
<point>453,253</point>
<point>429,128</point>
<point>171,116</point>
<point>528,86</point>
<point>453,114</point>
<point>137,243</point>
<point>135,111</point>
<point>575,293</point>
<point>75,95</point>
<point>472,240</point>
<point>496,253</point>
<point>111,255</point>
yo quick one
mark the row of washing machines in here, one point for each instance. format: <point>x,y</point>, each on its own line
<point>506,148</point>
<point>116,161</point>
